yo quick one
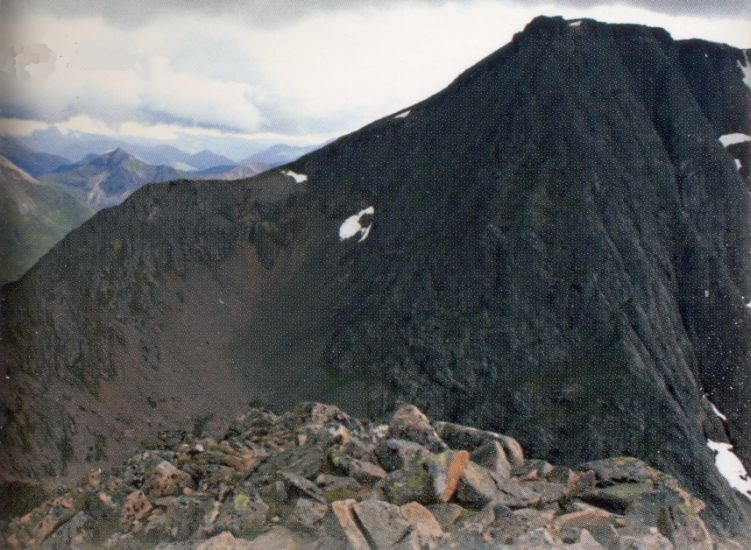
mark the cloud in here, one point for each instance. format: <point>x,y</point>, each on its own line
<point>221,69</point>
<point>86,125</point>
<point>281,12</point>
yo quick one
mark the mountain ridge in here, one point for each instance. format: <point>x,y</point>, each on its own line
<point>595,230</point>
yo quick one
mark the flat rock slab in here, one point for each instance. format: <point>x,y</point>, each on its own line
<point>383,523</point>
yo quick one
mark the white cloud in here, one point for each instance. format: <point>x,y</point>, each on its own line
<point>316,75</point>
<point>86,125</point>
<point>20,127</point>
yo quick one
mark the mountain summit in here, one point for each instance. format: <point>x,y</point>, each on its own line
<point>108,179</point>
<point>555,246</point>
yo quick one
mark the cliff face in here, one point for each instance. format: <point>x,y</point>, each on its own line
<point>558,245</point>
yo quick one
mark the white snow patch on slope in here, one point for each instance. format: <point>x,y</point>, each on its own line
<point>731,467</point>
<point>746,70</point>
<point>717,411</point>
<point>403,114</point>
<point>299,178</point>
<point>351,226</point>
<point>365,232</point>
<point>732,139</point>
<point>738,164</point>
<point>574,23</point>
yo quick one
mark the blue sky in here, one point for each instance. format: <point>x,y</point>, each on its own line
<point>194,73</point>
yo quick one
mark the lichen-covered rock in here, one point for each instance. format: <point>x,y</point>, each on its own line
<point>320,480</point>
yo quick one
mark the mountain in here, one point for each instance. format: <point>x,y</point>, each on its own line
<point>80,146</point>
<point>110,178</point>
<point>31,161</point>
<point>315,477</point>
<point>33,217</point>
<point>556,246</point>
<point>174,157</point>
<point>231,172</point>
<point>279,154</point>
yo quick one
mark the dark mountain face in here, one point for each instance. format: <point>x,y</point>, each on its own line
<point>33,162</point>
<point>558,248</point>
<point>109,179</point>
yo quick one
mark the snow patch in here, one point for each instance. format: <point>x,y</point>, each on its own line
<point>746,69</point>
<point>738,164</point>
<point>299,178</point>
<point>365,232</point>
<point>575,23</point>
<point>351,226</point>
<point>403,114</point>
<point>731,467</point>
<point>732,139</point>
<point>717,411</point>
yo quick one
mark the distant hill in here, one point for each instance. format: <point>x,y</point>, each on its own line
<point>33,217</point>
<point>277,155</point>
<point>33,162</point>
<point>174,157</point>
<point>109,179</point>
<point>232,172</point>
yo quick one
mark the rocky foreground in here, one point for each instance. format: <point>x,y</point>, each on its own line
<point>316,478</point>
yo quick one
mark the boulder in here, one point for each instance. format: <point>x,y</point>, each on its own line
<point>167,480</point>
<point>492,456</point>
<point>135,508</point>
<point>241,514</point>
<point>477,487</point>
<point>409,422</point>
<point>421,520</point>
<point>457,436</point>
<point>383,523</point>
<point>346,517</point>
<point>394,454</point>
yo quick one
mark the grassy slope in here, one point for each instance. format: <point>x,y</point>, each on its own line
<point>25,237</point>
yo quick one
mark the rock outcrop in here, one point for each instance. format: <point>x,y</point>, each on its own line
<point>315,478</point>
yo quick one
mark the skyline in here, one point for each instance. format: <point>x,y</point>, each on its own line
<point>242,73</point>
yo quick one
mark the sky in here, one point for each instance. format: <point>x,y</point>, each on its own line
<point>272,71</point>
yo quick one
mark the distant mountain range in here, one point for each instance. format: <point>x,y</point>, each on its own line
<point>277,155</point>
<point>33,162</point>
<point>76,146</point>
<point>34,216</point>
<point>109,179</point>
<point>36,213</point>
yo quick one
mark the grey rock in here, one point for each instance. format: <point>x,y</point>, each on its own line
<point>492,456</point>
<point>382,522</point>
<point>394,454</point>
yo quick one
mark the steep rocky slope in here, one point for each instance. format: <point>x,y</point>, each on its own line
<point>33,217</point>
<point>557,245</point>
<point>317,478</point>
